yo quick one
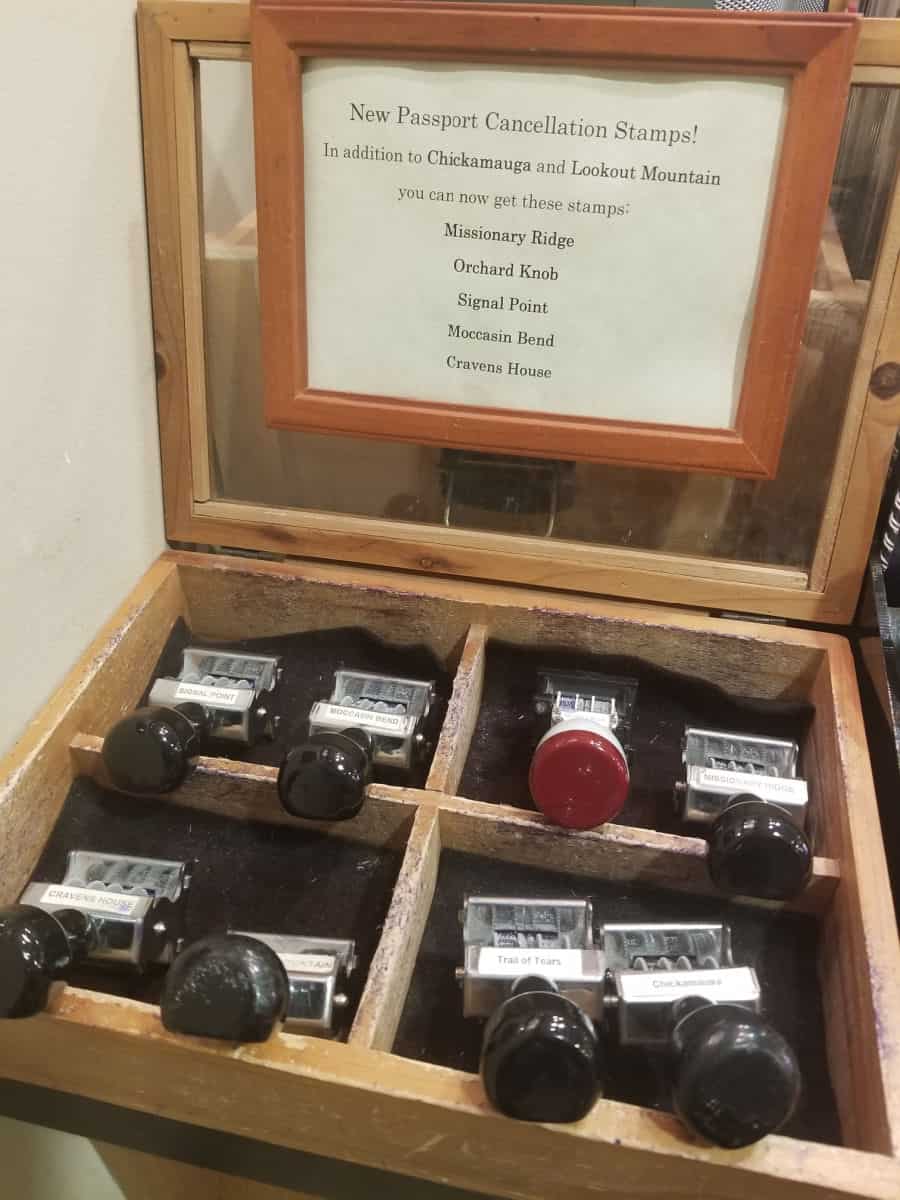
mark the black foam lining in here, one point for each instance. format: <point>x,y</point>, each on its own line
<point>309,661</point>
<point>782,947</point>
<point>508,729</point>
<point>248,875</point>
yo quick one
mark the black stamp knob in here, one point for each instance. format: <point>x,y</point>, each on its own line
<point>36,947</point>
<point>539,1058</point>
<point>755,849</point>
<point>225,986</point>
<point>147,752</point>
<point>325,778</point>
<point>736,1078</point>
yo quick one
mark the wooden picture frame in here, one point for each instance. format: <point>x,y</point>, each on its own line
<point>814,53</point>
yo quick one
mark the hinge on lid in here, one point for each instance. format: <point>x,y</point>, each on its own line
<point>231,551</point>
<point>756,618</point>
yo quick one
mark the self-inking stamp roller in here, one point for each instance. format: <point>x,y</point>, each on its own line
<point>533,969</point>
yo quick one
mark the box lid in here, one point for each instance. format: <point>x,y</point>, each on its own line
<point>793,546</point>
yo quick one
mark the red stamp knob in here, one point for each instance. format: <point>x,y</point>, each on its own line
<point>579,775</point>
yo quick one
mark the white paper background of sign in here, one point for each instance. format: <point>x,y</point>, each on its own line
<point>92,899</point>
<point>309,963</point>
<point>651,310</point>
<point>512,962</point>
<point>206,693</point>
<point>732,984</point>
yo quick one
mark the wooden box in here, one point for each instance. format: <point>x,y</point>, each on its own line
<point>369,1098</point>
<point>412,1116</point>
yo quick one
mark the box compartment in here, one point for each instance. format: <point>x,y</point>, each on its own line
<point>783,947</point>
<point>508,729</point>
<point>248,875</point>
<point>309,659</point>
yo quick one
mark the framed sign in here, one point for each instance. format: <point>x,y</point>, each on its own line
<point>542,229</point>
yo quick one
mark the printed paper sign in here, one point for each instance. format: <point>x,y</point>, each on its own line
<point>574,241</point>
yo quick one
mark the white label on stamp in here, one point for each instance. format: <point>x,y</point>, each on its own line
<point>218,697</point>
<point>308,964</point>
<point>342,716</point>
<point>512,963</point>
<point>734,984</point>
<point>767,787</point>
<point>91,898</point>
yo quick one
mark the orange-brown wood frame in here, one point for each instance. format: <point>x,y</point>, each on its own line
<point>815,53</point>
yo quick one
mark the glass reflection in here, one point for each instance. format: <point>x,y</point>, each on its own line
<point>774,522</point>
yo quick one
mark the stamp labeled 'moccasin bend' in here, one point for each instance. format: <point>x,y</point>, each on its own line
<point>369,721</point>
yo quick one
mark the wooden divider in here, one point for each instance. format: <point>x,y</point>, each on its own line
<point>391,969</point>
<point>247,791</point>
<point>614,852</point>
<point>462,714</point>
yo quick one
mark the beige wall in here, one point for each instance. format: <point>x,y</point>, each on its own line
<point>79,466</point>
<point>39,1164</point>
<point>229,188</point>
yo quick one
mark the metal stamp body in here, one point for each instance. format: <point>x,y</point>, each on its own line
<point>607,700</point>
<point>651,967</point>
<point>136,906</point>
<point>232,687</point>
<point>720,766</point>
<point>316,969</point>
<point>637,971</point>
<point>510,939</point>
<point>392,712</point>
